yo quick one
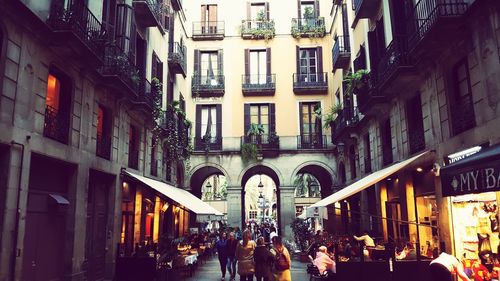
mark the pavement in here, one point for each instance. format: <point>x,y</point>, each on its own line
<point>210,271</point>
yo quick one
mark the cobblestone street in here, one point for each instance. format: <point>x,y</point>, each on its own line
<point>210,271</point>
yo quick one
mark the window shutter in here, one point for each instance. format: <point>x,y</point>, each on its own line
<point>220,61</point>
<point>218,116</point>
<point>300,119</point>
<point>246,125</point>
<point>247,63</point>
<point>316,8</point>
<point>266,5</point>
<point>272,118</point>
<point>299,12</point>
<point>380,36</point>
<point>160,71</point>
<point>297,52</point>
<point>197,69</point>
<point>268,63</point>
<point>249,11</point>
<point>373,51</point>
<point>319,53</point>
<point>204,13</point>
<point>198,123</point>
<point>154,66</point>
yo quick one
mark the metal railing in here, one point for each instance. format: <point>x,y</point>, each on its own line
<point>177,54</point>
<point>80,20</point>
<point>158,9</point>
<point>426,14</point>
<point>395,56</point>
<point>360,61</point>
<point>133,158</point>
<point>266,141</point>
<point>258,81</point>
<point>103,146</point>
<point>341,46</point>
<point>317,79</point>
<point>416,138</point>
<point>346,117</point>
<point>207,83</point>
<point>208,28</point>
<point>208,144</point>
<point>308,25</point>
<point>56,125</point>
<point>119,63</point>
<point>314,141</point>
<point>252,27</point>
<point>146,93</point>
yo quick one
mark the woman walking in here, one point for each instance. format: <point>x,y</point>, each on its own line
<point>282,261</point>
<point>244,256</point>
<point>222,251</point>
<point>263,261</point>
<point>231,255</point>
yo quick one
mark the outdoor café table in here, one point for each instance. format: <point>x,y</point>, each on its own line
<point>190,262</point>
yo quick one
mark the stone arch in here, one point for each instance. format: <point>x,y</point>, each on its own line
<point>263,168</point>
<point>322,172</point>
<point>201,172</point>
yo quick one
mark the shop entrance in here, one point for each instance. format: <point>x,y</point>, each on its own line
<point>396,230</point>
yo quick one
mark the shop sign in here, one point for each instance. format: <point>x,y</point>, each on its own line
<point>483,177</point>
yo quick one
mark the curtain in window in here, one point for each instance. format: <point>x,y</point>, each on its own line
<point>209,123</point>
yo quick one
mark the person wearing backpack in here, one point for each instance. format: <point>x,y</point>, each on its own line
<point>244,256</point>
<point>282,261</point>
<point>263,261</point>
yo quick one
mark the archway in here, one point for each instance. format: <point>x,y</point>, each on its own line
<point>198,179</point>
<point>321,173</point>
<point>266,198</point>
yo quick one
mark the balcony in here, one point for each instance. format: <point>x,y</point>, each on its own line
<point>341,53</point>
<point>311,142</point>
<point>208,144</point>
<point>433,22</point>
<point>364,9</point>
<point>177,59</point>
<point>146,94</point>
<point>371,101</point>
<point>308,27</point>
<point>77,32</point>
<point>176,5</point>
<point>345,123</point>
<point>255,29</point>
<point>56,125</point>
<point>258,85</point>
<point>208,30</point>
<point>119,71</point>
<point>268,144</point>
<point>310,83</point>
<point>207,86</point>
<point>149,13</point>
<point>103,146</point>
<point>133,159</point>
<point>395,69</point>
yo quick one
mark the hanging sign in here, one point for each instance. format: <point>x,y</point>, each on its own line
<point>475,178</point>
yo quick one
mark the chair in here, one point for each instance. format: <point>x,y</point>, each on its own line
<point>314,273</point>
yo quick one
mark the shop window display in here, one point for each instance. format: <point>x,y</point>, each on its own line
<point>428,228</point>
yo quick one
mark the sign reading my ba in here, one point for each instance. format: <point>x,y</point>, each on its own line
<point>475,178</point>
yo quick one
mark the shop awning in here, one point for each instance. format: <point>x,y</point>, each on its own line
<point>477,173</point>
<point>203,211</point>
<point>367,181</point>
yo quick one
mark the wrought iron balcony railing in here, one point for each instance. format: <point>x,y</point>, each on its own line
<point>257,29</point>
<point>346,118</point>
<point>150,13</point>
<point>77,18</point>
<point>310,81</point>
<point>208,30</point>
<point>208,85</point>
<point>103,146</point>
<point>341,52</point>
<point>395,57</point>
<point>177,59</point>
<point>56,125</point>
<point>208,144</point>
<point>308,27</point>
<point>265,141</point>
<point>258,83</point>
<point>314,141</point>
<point>146,93</point>
<point>133,158</point>
<point>364,8</point>
<point>119,64</point>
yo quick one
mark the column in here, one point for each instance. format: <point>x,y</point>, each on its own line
<point>287,210</point>
<point>234,200</point>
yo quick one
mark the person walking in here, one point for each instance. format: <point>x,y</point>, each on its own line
<point>282,261</point>
<point>263,259</point>
<point>222,252</point>
<point>244,256</point>
<point>231,255</point>
<point>445,266</point>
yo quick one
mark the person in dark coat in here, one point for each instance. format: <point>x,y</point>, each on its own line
<point>222,253</point>
<point>231,255</point>
<point>263,261</point>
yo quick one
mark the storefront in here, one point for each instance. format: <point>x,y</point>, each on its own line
<point>472,185</point>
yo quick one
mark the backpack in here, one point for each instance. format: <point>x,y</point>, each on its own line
<point>281,262</point>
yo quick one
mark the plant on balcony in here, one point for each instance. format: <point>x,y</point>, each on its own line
<point>332,114</point>
<point>250,150</point>
<point>309,27</point>
<point>357,81</point>
<point>266,32</point>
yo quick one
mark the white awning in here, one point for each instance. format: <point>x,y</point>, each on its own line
<point>183,197</point>
<point>365,182</point>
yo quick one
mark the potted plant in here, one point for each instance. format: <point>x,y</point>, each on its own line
<point>332,114</point>
<point>357,82</point>
<point>300,230</point>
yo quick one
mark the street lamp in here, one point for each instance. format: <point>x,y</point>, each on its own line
<point>262,205</point>
<point>208,188</point>
<point>260,186</point>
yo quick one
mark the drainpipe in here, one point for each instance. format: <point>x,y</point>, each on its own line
<point>18,211</point>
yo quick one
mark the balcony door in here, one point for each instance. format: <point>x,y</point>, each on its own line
<point>310,123</point>
<point>257,66</point>
<point>209,68</point>
<point>261,114</point>
<point>208,126</point>
<point>209,19</point>
<point>308,65</point>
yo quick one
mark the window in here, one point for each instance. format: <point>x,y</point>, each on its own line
<point>310,122</point>
<point>259,114</point>
<point>368,157</point>
<point>258,66</point>
<point>154,162</point>
<point>156,68</point>
<point>310,64</point>
<point>103,137</point>
<point>263,114</point>
<point>461,103</point>
<point>308,9</point>
<point>133,147</point>
<point>209,19</point>
<point>208,127</point>
<point>252,214</point>
<point>386,137</point>
<point>57,106</point>
<point>258,11</point>
<point>209,68</point>
<point>208,122</point>
<point>352,161</point>
<point>415,123</point>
